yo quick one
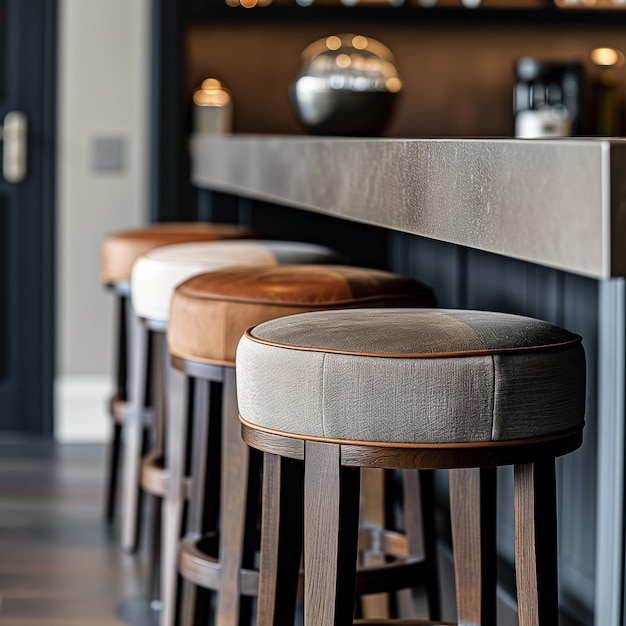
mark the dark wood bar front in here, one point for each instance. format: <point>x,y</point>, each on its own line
<point>476,221</point>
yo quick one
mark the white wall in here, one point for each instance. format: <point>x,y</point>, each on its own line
<point>103,94</point>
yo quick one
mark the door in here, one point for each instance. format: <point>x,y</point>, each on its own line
<point>27,86</point>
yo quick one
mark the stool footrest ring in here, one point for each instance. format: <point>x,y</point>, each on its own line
<point>198,563</point>
<point>120,409</point>
<point>154,476</point>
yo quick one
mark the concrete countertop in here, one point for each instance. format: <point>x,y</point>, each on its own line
<point>559,203</point>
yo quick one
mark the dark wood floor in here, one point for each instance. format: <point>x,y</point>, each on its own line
<point>60,565</point>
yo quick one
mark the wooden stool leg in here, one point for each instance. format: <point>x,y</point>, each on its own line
<point>174,498</point>
<point>331,521</point>
<point>235,459</point>
<point>251,535</point>
<point>473,515</point>
<point>419,524</point>
<point>199,455</point>
<point>120,394</point>
<point>113,474</point>
<point>373,516</point>
<point>281,541</point>
<point>536,543</point>
<point>133,430</point>
<point>153,442</point>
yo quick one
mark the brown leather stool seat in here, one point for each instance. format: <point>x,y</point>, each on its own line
<point>119,252</point>
<point>210,312</point>
<point>208,315</point>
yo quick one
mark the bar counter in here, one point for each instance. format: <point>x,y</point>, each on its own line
<point>531,227</point>
<point>558,203</point>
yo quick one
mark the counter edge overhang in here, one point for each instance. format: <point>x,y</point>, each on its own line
<point>559,203</point>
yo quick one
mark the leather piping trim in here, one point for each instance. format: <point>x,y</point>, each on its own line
<point>373,298</point>
<point>419,355</point>
<point>198,359</point>
<point>504,443</point>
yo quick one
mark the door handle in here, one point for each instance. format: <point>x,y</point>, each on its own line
<point>13,133</point>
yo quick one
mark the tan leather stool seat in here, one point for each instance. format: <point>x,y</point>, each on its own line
<point>121,249</point>
<point>210,312</point>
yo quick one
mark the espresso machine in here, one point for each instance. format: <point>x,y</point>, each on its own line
<point>548,98</point>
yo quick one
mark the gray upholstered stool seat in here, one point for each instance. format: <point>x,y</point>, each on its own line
<point>444,376</point>
<point>335,392</point>
<point>119,252</point>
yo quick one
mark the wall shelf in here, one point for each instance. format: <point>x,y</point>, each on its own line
<point>212,11</point>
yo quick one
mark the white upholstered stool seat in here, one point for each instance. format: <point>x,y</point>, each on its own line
<point>154,278</point>
<point>330,393</point>
<point>156,274</point>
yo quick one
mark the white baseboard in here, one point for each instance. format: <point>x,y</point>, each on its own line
<point>81,409</point>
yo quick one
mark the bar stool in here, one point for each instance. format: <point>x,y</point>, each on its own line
<point>208,315</point>
<point>119,251</point>
<point>459,390</point>
<point>154,278</point>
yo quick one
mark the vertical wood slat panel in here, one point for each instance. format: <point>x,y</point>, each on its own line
<point>3,51</point>
<point>4,207</point>
<point>611,407</point>
<point>577,473</point>
<point>4,299</point>
<point>362,244</point>
<point>439,265</point>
